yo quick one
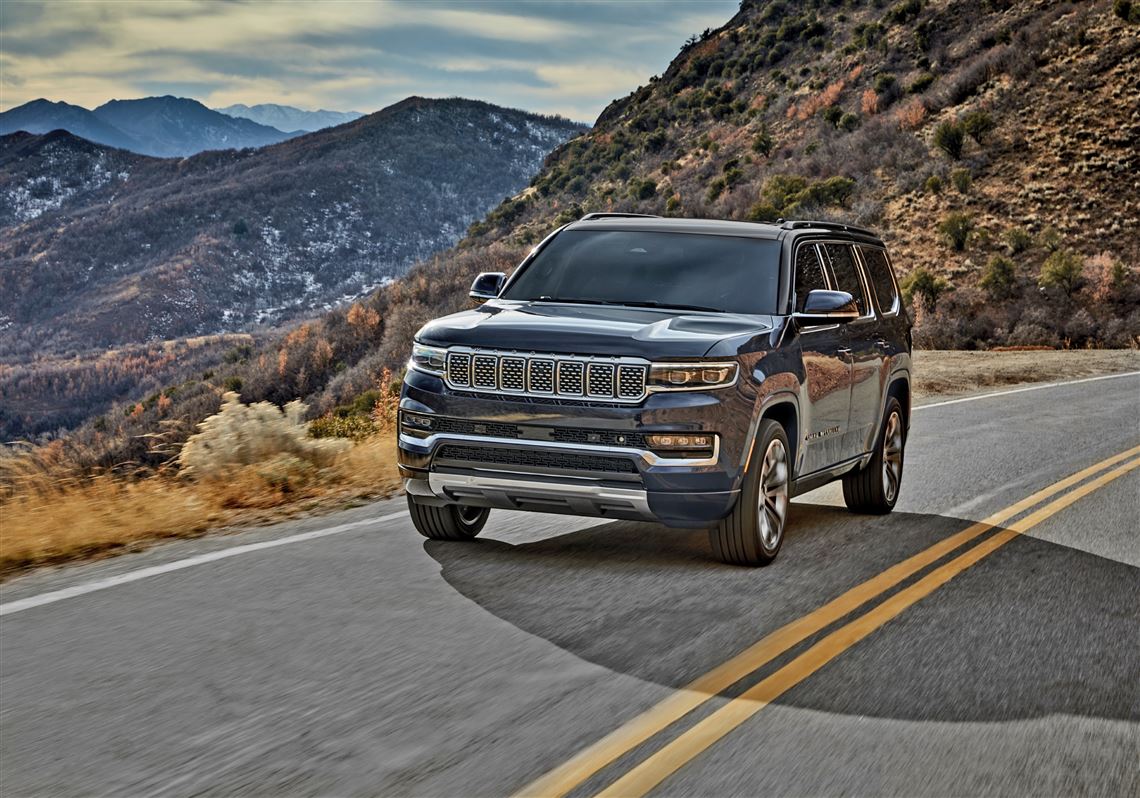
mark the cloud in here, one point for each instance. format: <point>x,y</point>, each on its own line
<point>555,57</point>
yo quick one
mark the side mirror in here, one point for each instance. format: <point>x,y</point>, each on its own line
<point>487,285</point>
<point>827,307</point>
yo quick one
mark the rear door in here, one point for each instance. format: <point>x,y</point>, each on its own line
<point>866,357</point>
<point>827,372</point>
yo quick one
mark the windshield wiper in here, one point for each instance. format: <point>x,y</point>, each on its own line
<point>647,303</point>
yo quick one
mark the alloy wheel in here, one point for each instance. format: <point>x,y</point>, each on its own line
<point>773,504</point>
<point>892,457</point>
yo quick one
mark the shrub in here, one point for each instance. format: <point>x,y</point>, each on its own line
<point>1017,240</point>
<point>933,184</point>
<point>642,189</point>
<point>956,228</point>
<point>961,180</point>
<point>910,116</point>
<point>1063,270</point>
<point>926,286</point>
<point>1126,10</point>
<point>1026,333</point>
<point>848,122</point>
<point>762,143</point>
<point>978,125</point>
<point>885,82</point>
<point>869,102</point>
<point>950,137</point>
<point>240,228</point>
<point>241,435</point>
<point>673,204</point>
<point>1000,278</point>
<point>920,84</point>
<point>1050,239</point>
<point>832,115</point>
<point>353,427</point>
<point>716,188</point>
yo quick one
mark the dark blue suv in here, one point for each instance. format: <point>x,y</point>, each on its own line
<point>689,372</point>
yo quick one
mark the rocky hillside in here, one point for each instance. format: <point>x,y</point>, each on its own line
<point>158,126</point>
<point>103,248</point>
<point>993,144</point>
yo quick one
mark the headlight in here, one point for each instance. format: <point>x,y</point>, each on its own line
<point>428,359</point>
<point>690,376</point>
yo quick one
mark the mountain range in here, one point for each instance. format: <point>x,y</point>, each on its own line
<point>102,247</point>
<point>286,117</point>
<point>157,126</point>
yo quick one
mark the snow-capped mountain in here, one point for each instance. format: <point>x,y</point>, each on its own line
<point>286,117</point>
<point>103,247</point>
<point>160,126</point>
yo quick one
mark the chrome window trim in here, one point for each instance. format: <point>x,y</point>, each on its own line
<point>824,265</point>
<point>646,456</point>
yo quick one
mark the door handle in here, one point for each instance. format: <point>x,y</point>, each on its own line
<point>843,351</point>
<point>883,343</point>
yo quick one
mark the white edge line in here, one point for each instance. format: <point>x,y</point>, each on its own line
<point>177,565</point>
<point>145,573</point>
<point>1039,387</point>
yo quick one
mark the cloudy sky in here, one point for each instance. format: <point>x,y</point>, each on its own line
<point>569,58</point>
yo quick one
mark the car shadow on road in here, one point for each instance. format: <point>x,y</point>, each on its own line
<point>1036,628</point>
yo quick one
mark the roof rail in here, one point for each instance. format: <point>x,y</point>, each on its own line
<point>799,224</point>
<point>607,215</point>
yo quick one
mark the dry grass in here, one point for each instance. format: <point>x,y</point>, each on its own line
<point>938,373</point>
<point>249,465</point>
<point>46,519</point>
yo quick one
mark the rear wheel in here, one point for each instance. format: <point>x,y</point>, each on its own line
<point>753,533</point>
<point>449,521</point>
<point>875,488</point>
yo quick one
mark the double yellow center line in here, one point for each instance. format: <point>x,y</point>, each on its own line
<point>667,760</point>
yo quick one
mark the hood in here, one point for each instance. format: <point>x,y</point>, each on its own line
<point>651,333</point>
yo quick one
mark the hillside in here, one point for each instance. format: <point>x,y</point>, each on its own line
<point>158,126</point>
<point>286,117</point>
<point>103,248</point>
<point>809,110</point>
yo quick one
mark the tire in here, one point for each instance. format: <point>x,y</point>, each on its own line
<point>448,522</point>
<point>874,489</point>
<point>754,531</point>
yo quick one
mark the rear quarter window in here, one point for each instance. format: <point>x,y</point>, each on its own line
<point>881,279</point>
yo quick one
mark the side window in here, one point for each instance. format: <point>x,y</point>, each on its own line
<point>809,273</point>
<point>879,275</point>
<point>846,273</point>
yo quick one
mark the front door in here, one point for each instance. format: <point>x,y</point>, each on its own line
<point>827,374</point>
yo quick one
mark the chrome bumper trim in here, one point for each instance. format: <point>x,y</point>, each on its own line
<point>649,458</point>
<point>552,495</point>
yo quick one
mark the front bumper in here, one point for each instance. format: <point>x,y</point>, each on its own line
<point>544,475</point>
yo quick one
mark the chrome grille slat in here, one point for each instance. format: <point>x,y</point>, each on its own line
<point>600,380</point>
<point>575,377</point>
<point>459,369</point>
<point>512,374</point>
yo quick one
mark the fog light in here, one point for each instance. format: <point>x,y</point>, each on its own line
<point>675,441</point>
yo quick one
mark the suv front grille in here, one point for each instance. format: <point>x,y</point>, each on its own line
<point>560,376</point>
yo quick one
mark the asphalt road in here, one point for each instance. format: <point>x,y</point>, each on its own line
<point>368,661</point>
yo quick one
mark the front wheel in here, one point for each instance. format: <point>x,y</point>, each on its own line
<point>449,521</point>
<point>875,489</point>
<point>754,531</point>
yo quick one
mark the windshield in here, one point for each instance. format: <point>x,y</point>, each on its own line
<point>653,269</point>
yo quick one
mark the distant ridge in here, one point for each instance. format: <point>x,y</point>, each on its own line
<point>159,126</point>
<point>286,117</point>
